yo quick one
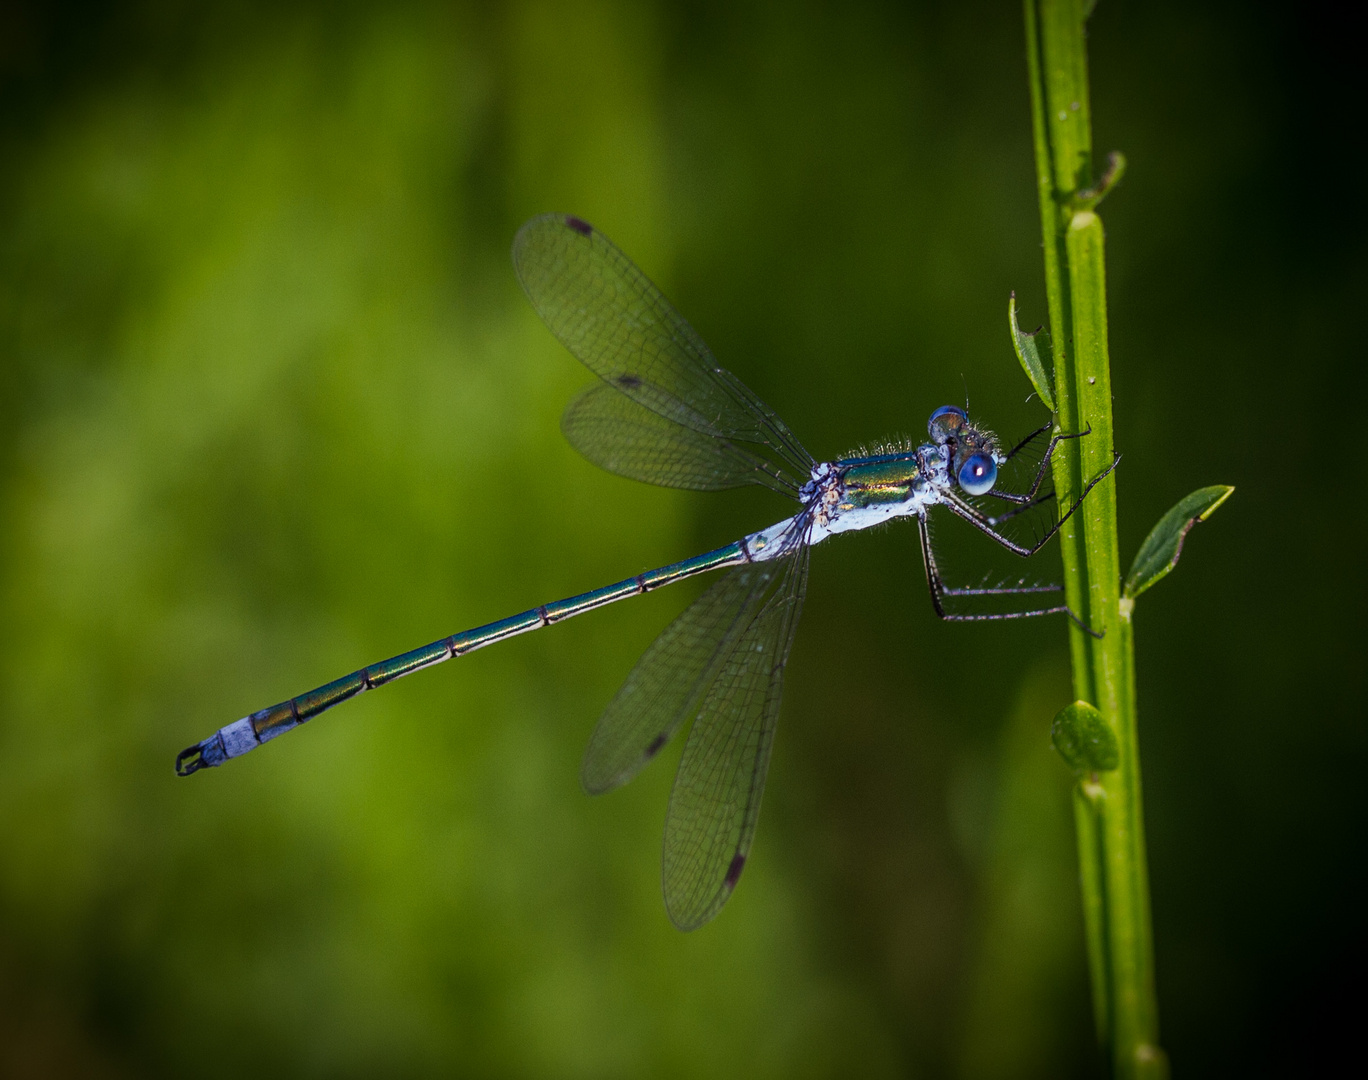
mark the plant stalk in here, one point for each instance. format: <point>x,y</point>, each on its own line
<point>1108,810</point>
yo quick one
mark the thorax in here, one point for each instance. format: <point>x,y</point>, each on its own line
<point>856,493</point>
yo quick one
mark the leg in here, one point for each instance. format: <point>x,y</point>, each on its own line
<point>986,524</point>
<point>1032,437</point>
<point>998,519</point>
<point>1028,495</point>
<point>939,592</point>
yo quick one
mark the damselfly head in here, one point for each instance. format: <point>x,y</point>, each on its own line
<point>946,422</point>
<point>974,454</point>
<point>977,473</point>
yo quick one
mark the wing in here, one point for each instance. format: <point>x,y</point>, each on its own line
<point>715,803</point>
<point>619,325</point>
<point>669,681</point>
<point>617,434</point>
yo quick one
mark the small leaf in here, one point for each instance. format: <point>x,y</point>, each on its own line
<point>1088,198</point>
<point>1162,547</point>
<point>1035,353</point>
<point>1084,739</point>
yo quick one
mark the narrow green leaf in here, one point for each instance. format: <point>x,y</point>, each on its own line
<point>1084,739</point>
<point>1161,549</point>
<point>1035,354</point>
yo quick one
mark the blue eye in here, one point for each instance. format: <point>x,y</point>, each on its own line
<point>978,474</point>
<point>945,421</point>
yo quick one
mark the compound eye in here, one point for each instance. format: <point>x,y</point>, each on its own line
<point>945,421</point>
<point>978,474</point>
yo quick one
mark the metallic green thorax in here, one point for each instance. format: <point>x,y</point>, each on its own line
<point>879,481</point>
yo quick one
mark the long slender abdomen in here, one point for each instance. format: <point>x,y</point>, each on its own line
<point>251,731</point>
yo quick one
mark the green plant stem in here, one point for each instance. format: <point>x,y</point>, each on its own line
<point>1088,801</point>
<point>1108,807</point>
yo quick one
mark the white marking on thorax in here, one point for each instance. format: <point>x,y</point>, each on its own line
<point>824,495</point>
<point>866,517</point>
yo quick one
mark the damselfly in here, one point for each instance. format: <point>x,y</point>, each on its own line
<point>664,412</point>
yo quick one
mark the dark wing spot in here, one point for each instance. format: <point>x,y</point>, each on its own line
<point>656,744</point>
<point>580,226</point>
<point>628,382</point>
<point>738,864</point>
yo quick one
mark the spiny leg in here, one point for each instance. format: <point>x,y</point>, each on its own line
<point>939,591</point>
<point>985,524</point>
<point>1028,495</point>
<point>1032,437</point>
<point>998,519</point>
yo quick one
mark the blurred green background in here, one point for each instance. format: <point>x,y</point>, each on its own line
<point>273,406</point>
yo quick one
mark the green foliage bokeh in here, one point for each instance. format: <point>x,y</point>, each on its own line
<point>273,407</point>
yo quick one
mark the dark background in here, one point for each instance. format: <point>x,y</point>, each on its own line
<point>272,406</point>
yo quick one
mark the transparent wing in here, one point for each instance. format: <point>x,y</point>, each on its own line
<point>669,681</point>
<point>609,315</point>
<point>617,434</point>
<point>715,803</point>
